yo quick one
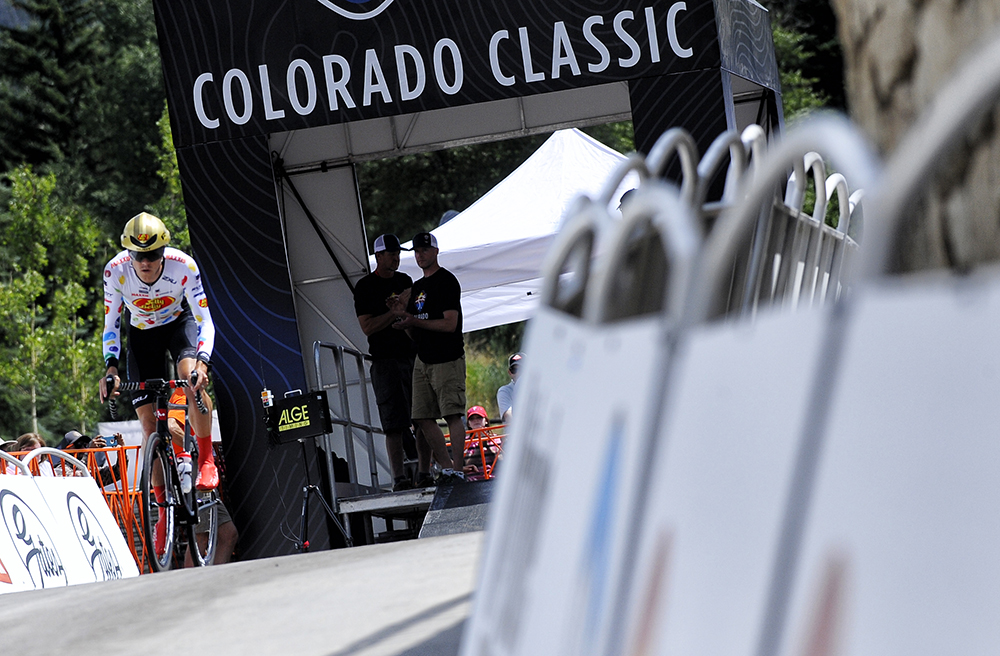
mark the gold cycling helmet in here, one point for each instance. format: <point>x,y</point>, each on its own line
<point>144,232</point>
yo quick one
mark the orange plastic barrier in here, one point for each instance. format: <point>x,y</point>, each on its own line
<point>484,448</point>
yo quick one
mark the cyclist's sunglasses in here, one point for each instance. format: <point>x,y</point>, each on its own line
<point>147,256</point>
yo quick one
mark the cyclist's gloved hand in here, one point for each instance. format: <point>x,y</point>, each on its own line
<point>103,386</point>
<point>202,380</point>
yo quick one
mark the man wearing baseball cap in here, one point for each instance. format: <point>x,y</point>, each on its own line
<point>391,350</point>
<point>505,395</point>
<point>433,318</point>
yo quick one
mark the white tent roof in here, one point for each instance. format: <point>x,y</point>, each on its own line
<point>496,246</point>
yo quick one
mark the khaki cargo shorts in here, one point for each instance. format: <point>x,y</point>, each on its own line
<point>438,389</point>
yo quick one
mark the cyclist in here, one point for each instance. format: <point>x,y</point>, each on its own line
<point>162,289</point>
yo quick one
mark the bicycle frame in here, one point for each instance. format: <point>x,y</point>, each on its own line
<point>181,509</point>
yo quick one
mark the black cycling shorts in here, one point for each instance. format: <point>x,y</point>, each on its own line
<point>148,348</point>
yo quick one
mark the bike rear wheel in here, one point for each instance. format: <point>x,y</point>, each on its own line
<point>203,550</point>
<point>154,512</point>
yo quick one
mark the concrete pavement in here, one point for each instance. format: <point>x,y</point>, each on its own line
<point>406,598</point>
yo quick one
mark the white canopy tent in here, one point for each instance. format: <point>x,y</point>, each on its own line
<point>496,246</point>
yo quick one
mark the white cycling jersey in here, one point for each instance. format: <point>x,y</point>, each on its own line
<point>156,304</point>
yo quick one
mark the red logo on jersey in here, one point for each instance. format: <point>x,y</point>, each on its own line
<point>107,273</point>
<point>153,304</point>
<point>184,280</point>
<point>203,302</point>
<point>107,308</point>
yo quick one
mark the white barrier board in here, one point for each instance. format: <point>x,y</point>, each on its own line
<point>719,485</point>
<point>56,532</point>
<point>899,554</point>
<point>564,498</point>
<point>522,500</point>
<point>79,508</point>
<point>30,554</point>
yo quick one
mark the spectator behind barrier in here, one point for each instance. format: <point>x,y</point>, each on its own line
<point>30,442</point>
<point>106,474</point>
<point>505,395</point>
<point>476,419</point>
<point>7,445</point>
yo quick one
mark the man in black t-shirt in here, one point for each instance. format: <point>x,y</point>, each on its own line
<point>433,318</point>
<point>391,350</point>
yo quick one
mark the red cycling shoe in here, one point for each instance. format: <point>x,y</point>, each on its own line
<point>160,536</point>
<point>208,476</point>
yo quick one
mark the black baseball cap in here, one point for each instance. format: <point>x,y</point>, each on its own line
<point>74,440</point>
<point>388,243</point>
<point>425,240</point>
<point>514,360</point>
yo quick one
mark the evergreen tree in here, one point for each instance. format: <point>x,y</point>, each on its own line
<point>81,91</point>
<point>113,164</point>
<point>46,72</point>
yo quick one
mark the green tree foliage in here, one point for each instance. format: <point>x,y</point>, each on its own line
<point>46,73</point>
<point>80,91</point>
<point>21,322</point>
<point>112,165</point>
<point>500,342</point>
<point>170,206</point>
<point>409,194</point>
<point>486,362</point>
<point>798,92</point>
<point>484,374</point>
<point>813,24</point>
<point>49,330</point>
<point>615,135</point>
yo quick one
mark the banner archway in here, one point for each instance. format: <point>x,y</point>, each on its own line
<point>314,86</point>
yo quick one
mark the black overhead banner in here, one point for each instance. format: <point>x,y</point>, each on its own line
<point>237,68</point>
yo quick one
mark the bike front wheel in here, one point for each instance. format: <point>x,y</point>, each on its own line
<point>158,517</point>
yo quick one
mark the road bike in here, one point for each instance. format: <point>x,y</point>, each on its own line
<point>182,504</point>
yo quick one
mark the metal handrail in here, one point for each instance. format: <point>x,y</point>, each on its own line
<point>828,134</point>
<point>49,451</point>
<point>345,419</point>
<point>339,354</point>
<point>5,457</point>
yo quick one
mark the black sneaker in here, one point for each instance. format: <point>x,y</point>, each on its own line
<point>425,480</point>
<point>402,484</point>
